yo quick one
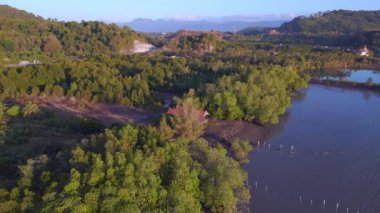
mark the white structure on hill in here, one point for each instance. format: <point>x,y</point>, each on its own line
<point>141,47</point>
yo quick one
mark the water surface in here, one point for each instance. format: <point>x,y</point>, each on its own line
<point>335,134</point>
<point>360,76</point>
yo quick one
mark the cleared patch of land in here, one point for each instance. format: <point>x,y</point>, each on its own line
<point>106,113</point>
<point>226,131</point>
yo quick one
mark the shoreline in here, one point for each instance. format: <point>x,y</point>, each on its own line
<point>345,84</point>
<point>225,131</point>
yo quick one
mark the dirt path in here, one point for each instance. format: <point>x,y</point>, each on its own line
<point>107,113</point>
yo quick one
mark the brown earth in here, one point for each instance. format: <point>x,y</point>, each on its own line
<point>226,131</point>
<point>107,113</point>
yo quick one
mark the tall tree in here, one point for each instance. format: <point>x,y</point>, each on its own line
<point>188,121</point>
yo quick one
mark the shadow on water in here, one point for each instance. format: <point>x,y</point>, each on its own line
<point>275,129</point>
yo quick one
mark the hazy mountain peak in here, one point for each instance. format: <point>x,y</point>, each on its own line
<point>231,24</point>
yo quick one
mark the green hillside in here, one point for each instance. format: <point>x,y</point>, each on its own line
<point>342,21</point>
<point>25,35</point>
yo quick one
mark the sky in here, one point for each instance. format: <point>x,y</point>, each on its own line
<point>127,10</point>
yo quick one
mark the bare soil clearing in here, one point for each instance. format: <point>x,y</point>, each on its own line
<point>226,131</point>
<point>107,113</point>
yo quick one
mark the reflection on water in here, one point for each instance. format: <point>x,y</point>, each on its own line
<point>335,163</point>
<point>360,76</point>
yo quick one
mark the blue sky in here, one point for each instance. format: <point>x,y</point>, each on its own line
<point>127,10</point>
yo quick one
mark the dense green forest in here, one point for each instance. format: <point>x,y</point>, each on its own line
<point>262,93</point>
<point>194,42</point>
<point>130,169</point>
<point>85,80</point>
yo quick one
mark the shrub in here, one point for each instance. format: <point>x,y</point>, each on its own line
<point>14,111</point>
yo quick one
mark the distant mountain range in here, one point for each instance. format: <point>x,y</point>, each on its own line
<point>172,25</point>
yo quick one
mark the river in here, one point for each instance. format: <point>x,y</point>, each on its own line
<point>335,162</point>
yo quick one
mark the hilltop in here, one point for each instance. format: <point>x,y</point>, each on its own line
<point>7,12</point>
<point>196,42</point>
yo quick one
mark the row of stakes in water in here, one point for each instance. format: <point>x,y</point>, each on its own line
<point>292,150</point>
<point>311,201</point>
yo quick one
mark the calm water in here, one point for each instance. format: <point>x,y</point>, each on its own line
<point>336,137</point>
<point>360,76</point>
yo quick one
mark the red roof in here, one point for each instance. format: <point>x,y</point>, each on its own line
<point>202,115</point>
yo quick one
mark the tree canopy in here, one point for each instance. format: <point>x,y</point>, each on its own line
<point>130,169</point>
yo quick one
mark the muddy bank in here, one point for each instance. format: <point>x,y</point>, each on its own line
<point>345,84</point>
<point>225,131</point>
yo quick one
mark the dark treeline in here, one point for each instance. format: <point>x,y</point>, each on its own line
<point>352,41</point>
<point>287,50</point>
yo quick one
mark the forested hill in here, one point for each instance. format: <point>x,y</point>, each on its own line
<point>10,12</point>
<point>24,34</point>
<point>341,21</point>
